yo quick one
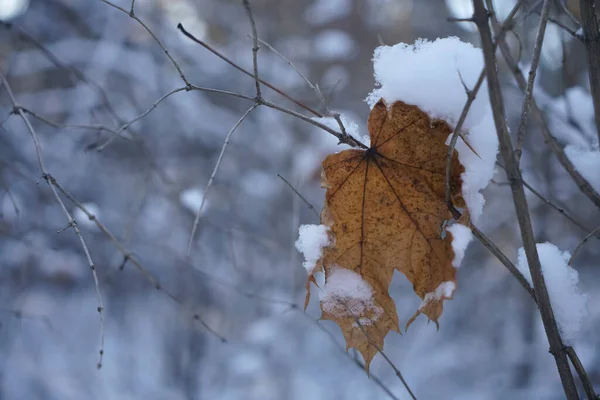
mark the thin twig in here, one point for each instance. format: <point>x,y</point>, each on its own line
<point>583,376</point>
<point>132,15</point>
<point>142,115</point>
<point>481,16</point>
<point>71,222</point>
<point>255,48</point>
<point>359,364</point>
<point>554,206</point>
<point>236,66</point>
<point>74,73</point>
<point>535,60</point>
<point>471,95</point>
<point>315,88</point>
<point>591,38</point>
<point>583,185</point>
<point>565,28</point>
<point>310,206</point>
<point>347,139</point>
<point>380,350</point>
<point>95,127</point>
<point>128,256</point>
<point>212,176</point>
<point>585,239</point>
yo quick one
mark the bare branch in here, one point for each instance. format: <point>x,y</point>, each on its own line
<point>585,239</point>
<point>579,180</point>
<point>314,87</point>
<point>565,28</point>
<point>128,256</point>
<point>359,364</point>
<point>514,176</point>
<point>212,176</point>
<point>71,222</point>
<point>236,66</point>
<point>591,38</point>
<point>254,49</point>
<point>156,39</point>
<point>310,206</point>
<point>95,127</point>
<point>554,206</point>
<point>347,139</point>
<point>142,115</point>
<point>583,376</point>
<point>535,60</point>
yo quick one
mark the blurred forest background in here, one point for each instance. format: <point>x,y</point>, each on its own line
<point>77,62</point>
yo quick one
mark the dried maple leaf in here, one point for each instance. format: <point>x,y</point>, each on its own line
<point>386,211</point>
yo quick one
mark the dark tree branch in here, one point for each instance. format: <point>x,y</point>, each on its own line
<point>591,38</point>
<point>53,184</point>
<point>481,17</point>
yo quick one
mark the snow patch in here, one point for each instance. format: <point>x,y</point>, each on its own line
<point>461,237</point>
<point>346,294</point>
<point>443,291</point>
<point>311,241</point>
<point>568,302</point>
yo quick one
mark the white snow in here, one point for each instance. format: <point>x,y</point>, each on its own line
<point>334,44</point>
<point>568,302</point>
<point>82,218</point>
<point>346,294</point>
<point>322,12</point>
<point>11,9</point>
<point>443,291</point>
<point>587,163</point>
<point>461,237</point>
<point>311,241</point>
<point>191,199</point>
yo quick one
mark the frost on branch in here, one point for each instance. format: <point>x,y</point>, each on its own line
<point>568,303</point>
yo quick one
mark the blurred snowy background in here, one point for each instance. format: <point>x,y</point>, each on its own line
<point>84,62</point>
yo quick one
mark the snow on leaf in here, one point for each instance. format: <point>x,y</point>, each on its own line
<point>386,211</point>
<point>311,240</point>
<point>431,75</point>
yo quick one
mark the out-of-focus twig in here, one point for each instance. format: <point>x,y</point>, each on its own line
<point>212,177</point>
<point>585,239</point>
<point>52,184</point>
<point>309,205</point>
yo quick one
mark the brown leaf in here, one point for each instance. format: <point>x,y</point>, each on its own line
<point>385,207</point>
